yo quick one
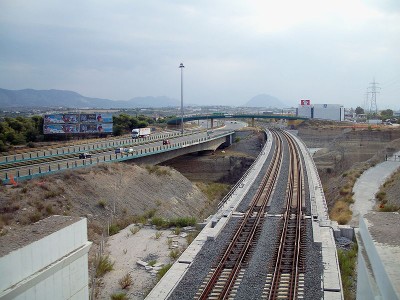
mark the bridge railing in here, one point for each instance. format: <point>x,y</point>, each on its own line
<point>97,146</point>
<point>21,174</point>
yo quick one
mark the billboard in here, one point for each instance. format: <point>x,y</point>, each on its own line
<point>78,123</point>
<point>60,128</point>
<point>61,118</point>
<point>96,118</point>
<point>305,102</point>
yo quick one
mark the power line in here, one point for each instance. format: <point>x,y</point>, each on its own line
<point>373,90</point>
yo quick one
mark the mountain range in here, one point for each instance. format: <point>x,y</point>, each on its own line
<point>68,99</point>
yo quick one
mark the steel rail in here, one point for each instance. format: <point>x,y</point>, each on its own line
<point>293,209</point>
<point>263,194</point>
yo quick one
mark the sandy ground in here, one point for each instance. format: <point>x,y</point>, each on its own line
<point>125,249</point>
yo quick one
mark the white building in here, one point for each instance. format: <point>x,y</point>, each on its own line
<point>334,112</point>
<point>304,111</point>
<point>46,260</point>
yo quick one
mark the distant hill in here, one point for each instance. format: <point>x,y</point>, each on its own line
<point>264,100</point>
<point>69,99</point>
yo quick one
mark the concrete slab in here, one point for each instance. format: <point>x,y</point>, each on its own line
<point>331,276</point>
<point>323,229</point>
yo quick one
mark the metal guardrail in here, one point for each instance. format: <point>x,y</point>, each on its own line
<point>88,147</point>
<point>47,169</point>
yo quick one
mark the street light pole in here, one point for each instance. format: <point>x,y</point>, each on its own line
<point>181,66</point>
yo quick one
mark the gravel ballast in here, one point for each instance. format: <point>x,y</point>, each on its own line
<point>260,262</point>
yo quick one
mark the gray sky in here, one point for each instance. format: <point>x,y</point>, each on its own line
<point>326,51</point>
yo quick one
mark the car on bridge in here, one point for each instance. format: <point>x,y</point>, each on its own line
<point>85,155</point>
<point>166,142</point>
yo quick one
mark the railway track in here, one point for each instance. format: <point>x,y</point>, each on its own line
<point>286,274</point>
<point>286,277</point>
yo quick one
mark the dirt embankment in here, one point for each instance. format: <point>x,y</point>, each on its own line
<point>124,190</point>
<point>346,150</point>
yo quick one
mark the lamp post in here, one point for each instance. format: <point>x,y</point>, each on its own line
<point>181,66</point>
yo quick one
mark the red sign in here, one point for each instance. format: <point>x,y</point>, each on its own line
<point>305,102</point>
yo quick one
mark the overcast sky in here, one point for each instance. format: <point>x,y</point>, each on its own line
<point>326,51</point>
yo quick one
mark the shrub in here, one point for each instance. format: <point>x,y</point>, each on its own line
<point>158,235</point>
<point>177,230</point>
<point>134,229</point>
<point>102,203</point>
<point>341,212</point>
<point>389,208</point>
<point>104,265</point>
<point>30,145</point>
<point>190,237</point>
<point>158,222</point>
<point>150,213</point>
<point>35,217</point>
<point>214,191</point>
<point>182,221</point>
<point>174,254</point>
<point>39,205</point>
<point>163,270</point>
<point>126,281</point>
<point>113,229</point>
<point>49,209</point>
<point>380,196</point>
<point>119,296</point>
<point>52,194</point>
<point>160,171</point>
<point>347,263</point>
<point>152,262</point>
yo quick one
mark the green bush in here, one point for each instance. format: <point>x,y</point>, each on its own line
<point>174,254</point>
<point>380,196</point>
<point>113,229</point>
<point>389,208</point>
<point>119,296</point>
<point>159,222</point>
<point>102,203</point>
<point>182,222</point>
<point>35,217</point>
<point>104,265</point>
<point>150,213</point>
<point>347,263</point>
<point>163,270</point>
<point>152,262</point>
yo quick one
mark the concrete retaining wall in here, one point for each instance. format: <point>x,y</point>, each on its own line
<point>53,267</point>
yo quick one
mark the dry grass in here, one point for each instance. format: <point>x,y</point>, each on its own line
<point>126,281</point>
<point>213,191</point>
<point>341,212</point>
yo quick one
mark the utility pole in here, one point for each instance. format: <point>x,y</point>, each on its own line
<point>181,66</point>
<point>373,90</point>
<point>366,102</point>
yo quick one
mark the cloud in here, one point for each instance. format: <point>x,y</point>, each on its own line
<point>232,50</point>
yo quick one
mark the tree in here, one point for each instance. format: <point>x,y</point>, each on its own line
<point>359,110</point>
<point>386,114</point>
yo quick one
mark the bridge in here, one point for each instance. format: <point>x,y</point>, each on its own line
<point>149,150</point>
<point>177,121</point>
